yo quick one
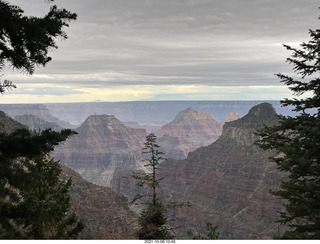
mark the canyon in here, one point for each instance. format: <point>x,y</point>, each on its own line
<point>106,213</point>
<point>189,130</point>
<point>35,123</point>
<point>228,182</point>
<point>152,113</point>
<point>213,161</point>
<point>104,145</point>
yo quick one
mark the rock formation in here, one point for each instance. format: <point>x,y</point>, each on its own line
<point>149,128</point>
<point>39,110</point>
<point>103,144</point>
<point>228,182</point>
<point>105,212</point>
<point>35,123</point>
<point>232,116</point>
<point>152,112</point>
<point>188,131</point>
<point>8,125</point>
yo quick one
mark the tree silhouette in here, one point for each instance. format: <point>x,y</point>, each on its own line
<point>297,139</point>
<point>153,218</point>
<point>34,200</point>
<point>26,40</point>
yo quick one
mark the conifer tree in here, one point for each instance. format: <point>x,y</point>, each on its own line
<point>34,200</point>
<point>297,139</point>
<point>26,40</point>
<point>212,233</point>
<point>153,220</point>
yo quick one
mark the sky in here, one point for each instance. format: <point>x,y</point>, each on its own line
<point>134,50</point>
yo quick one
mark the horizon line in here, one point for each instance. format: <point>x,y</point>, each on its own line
<point>169,100</point>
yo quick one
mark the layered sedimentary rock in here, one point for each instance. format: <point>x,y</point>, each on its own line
<point>228,182</point>
<point>38,110</point>
<point>35,123</point>
<point>232,116</point>
<point>153,112</point>
<point>188,131</point>
<point>103,143</point>
<point>105,212</point>
<point>8,125</point>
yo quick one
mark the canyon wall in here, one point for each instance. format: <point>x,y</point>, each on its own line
<point>228,182</point>
<point>153,112</point>
<point>188,131</point>
<point>103,143</point>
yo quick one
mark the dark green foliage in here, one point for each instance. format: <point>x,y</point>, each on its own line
<point>154,223</point>
<point>26,40</point>
<point>212,233</point>
<point>6,85</point>
<point>153,218</point>
<point>297,139</point>
<point>34,200</point>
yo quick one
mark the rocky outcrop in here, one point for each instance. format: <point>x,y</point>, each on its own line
<point>38,110</point>
<point>232,116</point>
<point>228,182</point>
<point>105,212</point>
<point>153,112</point>
<point>8,125</point>
<point>188,131</point>
<point>35,123</point>
<point>76,113</point>
<point>103,143</point>
<point>149,128</point>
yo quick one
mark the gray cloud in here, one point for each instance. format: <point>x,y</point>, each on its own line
<point>47,91</point>
<point>150,42</point>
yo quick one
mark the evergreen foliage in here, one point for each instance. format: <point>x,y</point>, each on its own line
<point>26,40</point>
<point>297,139</point>
<point>6,85</point>
<point>153,218</point>
<point>212,233</point>
<point>34,200</point>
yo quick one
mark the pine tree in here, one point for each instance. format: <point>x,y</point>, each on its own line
<point>153,218</point>
<point>34,200</point>
<point>212,233</point>
<point>26,40</point>
<point>297,139</point>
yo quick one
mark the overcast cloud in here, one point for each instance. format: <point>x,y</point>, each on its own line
<point>168,49</point>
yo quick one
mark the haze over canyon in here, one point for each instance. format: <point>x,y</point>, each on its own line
<point>212,161</point>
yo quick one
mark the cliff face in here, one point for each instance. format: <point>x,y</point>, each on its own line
<point>232,116</point>
<point>38,110</point>
<point>228,181</point>
<point>76,113</point>
<point>35,123</point>
<point>188,131</point>
<point>145,113</point>
<point>8,125</point>
<point>152,112</point>
<point>104,211</point>
<point>103,144</point>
